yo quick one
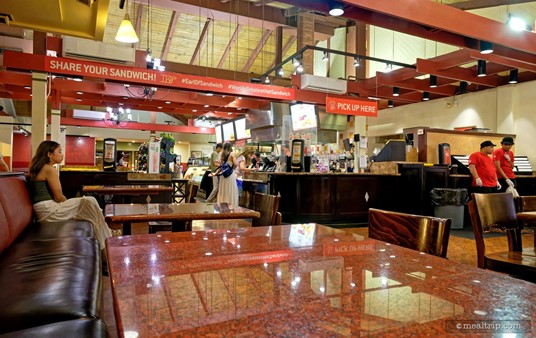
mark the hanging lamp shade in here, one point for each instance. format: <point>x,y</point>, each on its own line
<point>126,32</point>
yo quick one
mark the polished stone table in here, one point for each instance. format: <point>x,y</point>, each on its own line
<point>177,214</point>
<point>304,280</point>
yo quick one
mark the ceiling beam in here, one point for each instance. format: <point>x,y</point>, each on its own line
<point>201,41</point>
<point>169,34</point>
<point>257,50</point>
<point>286,47</point>
<point>67,121</point>
<point>230,45</point>
<point>458,73</point>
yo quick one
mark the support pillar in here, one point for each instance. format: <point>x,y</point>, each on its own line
<point>39,109</point>
<point>306,36</point>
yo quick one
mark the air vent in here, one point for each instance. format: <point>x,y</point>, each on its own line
<point>5,19</point>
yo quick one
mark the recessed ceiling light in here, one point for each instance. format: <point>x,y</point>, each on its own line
<point>27,87</point>
<point>159,107</point>
<point>168,102</point>
<point>206,106</point>
<point>120,103</point>
<point>78,99</point>
<point>194,110</point>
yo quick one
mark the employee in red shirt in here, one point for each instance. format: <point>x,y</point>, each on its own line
<point>483,170</point>
<point>504,163</point>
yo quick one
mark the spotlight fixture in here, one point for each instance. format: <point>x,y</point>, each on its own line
<point>335,8</point>
<point>513,76</point>
<point>126,32</point>
<point>299,69</point>
<point>390,104</point>
<point>281,72</point>
<point>325,57</point>
<point>433,81</point>
<point>356,62</point>
<point>296,61</point>
<point>267,80</point>
<point>396,91</point>
<point>426,96</point>
<point>388,68</point>
<point>463,87</point>
<point>486,47</point>
<point>481,68</point>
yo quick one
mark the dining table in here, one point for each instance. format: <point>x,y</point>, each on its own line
<point>305,280</point>
<point>180,215</point>
<point>126,191</point>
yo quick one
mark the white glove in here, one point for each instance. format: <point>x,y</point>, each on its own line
<point>498,186</point>
<point>507,157</point>
<point>479,182</point>
<point>509,182</point>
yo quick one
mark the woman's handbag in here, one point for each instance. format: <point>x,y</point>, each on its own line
<point>226,170</point>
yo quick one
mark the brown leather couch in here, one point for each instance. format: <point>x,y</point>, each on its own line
<point>50,274</point>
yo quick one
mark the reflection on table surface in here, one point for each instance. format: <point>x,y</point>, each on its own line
<point>125,188</point>
<point>172,208</point>
<point>300,280</point>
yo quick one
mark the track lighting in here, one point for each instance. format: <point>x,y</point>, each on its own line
<point>513,76</point>
<point>325,57</point>
<point>396,91</point>
<point>356,62</point>
<point>486,47</point>
<point>426,96</point>
<point>336,8</point>
<point>433,81</point>
<point>481,68</point>
<point>281,72</point>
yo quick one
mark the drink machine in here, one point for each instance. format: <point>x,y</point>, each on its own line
<point>296,155</point>
<point>109,154</point>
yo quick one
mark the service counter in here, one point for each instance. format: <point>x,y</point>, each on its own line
<point>72,182</point>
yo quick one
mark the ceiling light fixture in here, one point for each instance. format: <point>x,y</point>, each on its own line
<point>486,47</point>
<point>117,117</point>
<point>433,81</point>
<point>388,68</point>
<point>281,72</point>
<point>390,104</point>
<point>396,91</point>
<point>325,57</point>
<point>335,8</point>
<point>513,76</point>
<point>267,80</point>
<point>356,62</point>
<point>481,68</point>
<point>126,32</point>
<point>299,69</point>
<point>426,96</point>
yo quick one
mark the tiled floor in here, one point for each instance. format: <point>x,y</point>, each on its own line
<point>460,249</point>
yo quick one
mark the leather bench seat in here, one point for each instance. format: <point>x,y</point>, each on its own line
<point>73,328</point>
<point>41,231</point>
<point>49,281</point>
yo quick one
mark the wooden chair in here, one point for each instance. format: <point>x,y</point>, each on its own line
<point>422,233</point>
<point>267,205</point>
<point>165,225</point>
<point>498,210</point>
<point>526,203</point>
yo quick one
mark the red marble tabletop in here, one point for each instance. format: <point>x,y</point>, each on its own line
<point>175,212</point>
<point>126,189</point>
<point>304,280</point>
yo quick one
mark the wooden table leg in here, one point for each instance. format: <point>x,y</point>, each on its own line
<point>127,228</point>
<point>177,226</point>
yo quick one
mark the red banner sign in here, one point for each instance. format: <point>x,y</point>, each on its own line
<point>57,65</point>
<point>351,107</point>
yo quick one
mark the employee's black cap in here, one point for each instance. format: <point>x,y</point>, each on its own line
<point>507,140</point>
<point>486,144</point>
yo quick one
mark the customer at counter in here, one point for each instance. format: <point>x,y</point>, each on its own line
<point>504,162</point>
<point>483,170</point>
<point>213,165</point>
<point>228,190</point>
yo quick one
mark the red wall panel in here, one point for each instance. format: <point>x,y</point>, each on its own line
<point>80,150</point>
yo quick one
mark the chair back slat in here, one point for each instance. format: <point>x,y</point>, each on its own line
<point>267,206</point>
<point>422,233</point>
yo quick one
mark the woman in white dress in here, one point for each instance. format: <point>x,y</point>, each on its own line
<point>228,190</point>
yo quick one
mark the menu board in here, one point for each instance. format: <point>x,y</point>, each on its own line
<point>303,116</point>
<point>219,136</point>
<point>241,131</point>
<point>228,131</point>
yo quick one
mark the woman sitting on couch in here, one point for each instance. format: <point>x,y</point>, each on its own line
<point>49,203</point>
